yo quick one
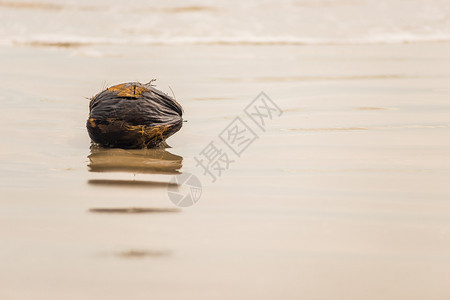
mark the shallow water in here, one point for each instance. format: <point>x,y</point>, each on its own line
<point>345,195</point>
<point>306,22</point>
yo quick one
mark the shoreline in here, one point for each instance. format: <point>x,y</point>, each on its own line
<point>344,194</point>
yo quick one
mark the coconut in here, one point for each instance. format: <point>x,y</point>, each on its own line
<point>133,115</point>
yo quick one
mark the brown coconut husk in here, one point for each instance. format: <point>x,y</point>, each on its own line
<point>133,115</point>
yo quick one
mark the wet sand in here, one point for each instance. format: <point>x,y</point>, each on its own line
<point>345,196</point>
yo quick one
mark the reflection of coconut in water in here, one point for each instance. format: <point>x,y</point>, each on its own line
<point>133,115</point>
<point>137,161</point>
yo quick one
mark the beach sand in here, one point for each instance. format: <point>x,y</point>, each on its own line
<point>344,196</point>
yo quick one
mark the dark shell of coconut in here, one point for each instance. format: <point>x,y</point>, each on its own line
<point>133,115</point>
